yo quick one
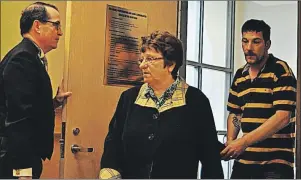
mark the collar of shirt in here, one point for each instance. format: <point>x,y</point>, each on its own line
<point>174,96</point>
<point>247,66</point>
<point>41,54</point>
<point>42,57</point>
<point>166,95</point>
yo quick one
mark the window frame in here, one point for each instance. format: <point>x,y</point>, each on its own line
<point>229,69</point>
<point>230,40</point>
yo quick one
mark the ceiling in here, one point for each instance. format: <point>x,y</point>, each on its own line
<point>274,3</point>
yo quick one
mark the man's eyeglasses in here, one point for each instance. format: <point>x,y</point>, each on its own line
<point>148,59</point>
<point>56,24</point>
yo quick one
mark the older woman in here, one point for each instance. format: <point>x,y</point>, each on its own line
<point>163,128</point>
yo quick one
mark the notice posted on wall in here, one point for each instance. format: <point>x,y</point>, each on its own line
<point>124,29</point>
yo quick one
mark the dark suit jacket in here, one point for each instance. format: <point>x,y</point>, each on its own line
<point>26,106</point>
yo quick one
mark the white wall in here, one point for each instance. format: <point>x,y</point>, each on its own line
<point>283,21</point>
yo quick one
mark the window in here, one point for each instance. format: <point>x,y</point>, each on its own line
<point>209,52</point>
<point>192,77</point>
<point>207,30</point>
<point>214,87</point>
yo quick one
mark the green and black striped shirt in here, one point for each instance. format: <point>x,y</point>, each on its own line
<point>257,100</point>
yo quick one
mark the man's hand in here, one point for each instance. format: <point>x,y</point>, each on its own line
<point>228,142</point>
<point>61,94</point>
<point>233,149</point>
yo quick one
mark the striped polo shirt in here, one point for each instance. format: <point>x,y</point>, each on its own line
<point>257,100</point>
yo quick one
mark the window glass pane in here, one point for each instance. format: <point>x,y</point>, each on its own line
<point>193,27</point>
<point>222,138</point>
<point>192,76</point>
<point>227,165</point>
<point>214,35</point>
<point>214,87</point>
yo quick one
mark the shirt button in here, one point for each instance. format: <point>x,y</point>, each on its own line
<point>151,137</point>
<point>155,116</point>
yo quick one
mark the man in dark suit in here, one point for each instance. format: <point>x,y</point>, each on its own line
<point>26,104</point>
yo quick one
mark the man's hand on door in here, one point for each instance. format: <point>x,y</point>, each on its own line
<point>61,94</point>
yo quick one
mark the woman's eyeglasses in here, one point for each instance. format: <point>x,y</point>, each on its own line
<point>148,60</point>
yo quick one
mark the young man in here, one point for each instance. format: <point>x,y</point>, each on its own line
<point>27,107</point>
<point>262,103</point>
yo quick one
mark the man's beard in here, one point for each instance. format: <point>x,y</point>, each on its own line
<point>257,61</point>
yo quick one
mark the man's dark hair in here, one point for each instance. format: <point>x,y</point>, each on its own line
<point>35,11</point>
<point>257,26</point>
<point>167,44</point>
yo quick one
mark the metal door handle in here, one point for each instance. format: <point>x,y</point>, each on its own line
<point>76,148</point>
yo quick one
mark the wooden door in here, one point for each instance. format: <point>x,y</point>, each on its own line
<point>92,103</point>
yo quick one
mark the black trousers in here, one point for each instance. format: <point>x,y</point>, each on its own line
<point>6,169</point>
<point>268,171</point>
